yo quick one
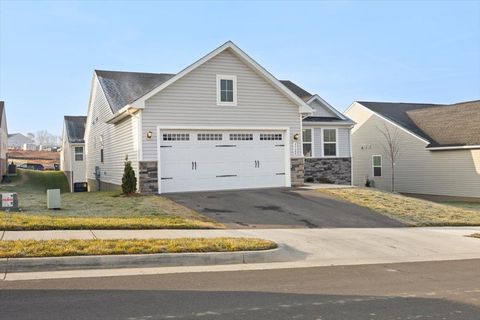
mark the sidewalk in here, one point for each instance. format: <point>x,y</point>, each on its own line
<point>323,247</point>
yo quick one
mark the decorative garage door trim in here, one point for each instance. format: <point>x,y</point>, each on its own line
<point>285,140</point>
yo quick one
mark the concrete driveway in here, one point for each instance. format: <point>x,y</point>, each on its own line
<point>281,208</point>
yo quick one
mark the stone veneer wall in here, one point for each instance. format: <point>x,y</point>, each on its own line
<point>148,177</point>
<point>297,171</point>
<point>335,170</point>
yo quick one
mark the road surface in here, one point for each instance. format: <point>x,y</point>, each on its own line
<point>422,290</point>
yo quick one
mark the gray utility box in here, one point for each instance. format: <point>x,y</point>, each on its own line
<point>53,198</point>
<point>9,201</point>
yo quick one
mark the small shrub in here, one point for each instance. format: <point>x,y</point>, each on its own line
<point>129,181</point>
<point>309,180</point>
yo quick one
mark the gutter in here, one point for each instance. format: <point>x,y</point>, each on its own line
<point>121,114</point>
<point>454,148</point>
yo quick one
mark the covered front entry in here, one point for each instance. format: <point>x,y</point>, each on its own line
<point>198,160</point>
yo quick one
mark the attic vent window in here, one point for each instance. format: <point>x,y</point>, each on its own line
<point>226,90</point>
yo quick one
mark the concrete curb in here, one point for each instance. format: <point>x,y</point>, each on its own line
<point>281,254</point>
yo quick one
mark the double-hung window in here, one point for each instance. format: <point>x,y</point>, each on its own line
<point>307,143</point>
<point>78,153</point>
<point>329,142</point>
<point>226,90</point>
<point>377,166</point>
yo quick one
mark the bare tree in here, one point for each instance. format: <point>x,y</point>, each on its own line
<point>392,147</point>
<point>45,138</point>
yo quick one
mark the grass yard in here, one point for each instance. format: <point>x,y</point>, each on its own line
<point>58,248</point>
<point>412,211</point>
<point>92,210</point>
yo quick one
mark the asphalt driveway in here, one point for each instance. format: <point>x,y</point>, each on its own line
<point>281,208</point>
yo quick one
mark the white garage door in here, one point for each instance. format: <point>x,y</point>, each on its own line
<point>221,160</point>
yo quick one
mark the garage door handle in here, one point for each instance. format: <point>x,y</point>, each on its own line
<point>194,165</point>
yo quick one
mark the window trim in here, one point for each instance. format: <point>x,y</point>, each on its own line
<point>227,77</point>
<point>311,143</point>
<point>374,166</point>
<point>75,153</point>
<point>336,142</point>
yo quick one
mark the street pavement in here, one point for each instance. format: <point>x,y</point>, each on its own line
<point>422,290</point>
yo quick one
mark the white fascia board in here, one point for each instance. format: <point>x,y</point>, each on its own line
<point>329,124</point>
<point>389,121</point>
<point>303,107</point>
<point>328,105</point>
<point>453,148</point>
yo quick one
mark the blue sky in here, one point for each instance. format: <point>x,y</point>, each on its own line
<point>381,51</point>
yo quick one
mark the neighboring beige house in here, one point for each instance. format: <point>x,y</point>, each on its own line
<point>72,156</point>
<point>3,140</point>
<point>439,147</point>
<point>223,122</point>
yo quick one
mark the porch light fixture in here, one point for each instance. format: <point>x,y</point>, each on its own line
<point>149,134</point>
<point>296,136</point>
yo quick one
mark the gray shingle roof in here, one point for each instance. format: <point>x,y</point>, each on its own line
<point>75,127</point>
<point>442,125</point>
<point>122,88</point>
<point>300,92</point>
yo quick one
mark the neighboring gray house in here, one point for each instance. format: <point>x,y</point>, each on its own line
<point>439,147</point>
<point>18,141</point>
<point>326,140</point>
<point>3,139</point>
<point>223,122</point>
<point>72,156</point>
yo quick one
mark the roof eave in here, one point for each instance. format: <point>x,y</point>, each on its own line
<point>467,147</point>
<point>123,113</point>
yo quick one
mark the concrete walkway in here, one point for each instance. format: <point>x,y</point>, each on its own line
<point>323,247</point>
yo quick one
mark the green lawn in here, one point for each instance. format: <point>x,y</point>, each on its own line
<point>91,210</point>
<point>58,248</point>
<point>412,211</point>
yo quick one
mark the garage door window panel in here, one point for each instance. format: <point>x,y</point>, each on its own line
<point>241,136</point>
<point>209,137</point>
<point>176,137</point>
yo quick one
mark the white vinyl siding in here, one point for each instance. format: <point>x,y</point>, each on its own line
<point>118,140</point>
<point>191,102</point>
<point>418,170</point>
<point>343,142</point>
<point>319,110</point>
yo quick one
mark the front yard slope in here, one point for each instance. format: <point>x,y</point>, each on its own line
<point>92,210</point>
<point>59,248</point>
<point>412,211</point>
